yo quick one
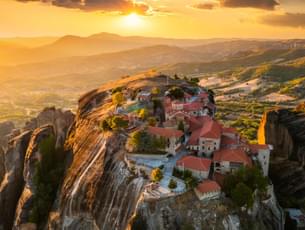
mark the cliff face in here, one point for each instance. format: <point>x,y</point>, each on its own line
<point>18,157</point>
<point>285,130</point>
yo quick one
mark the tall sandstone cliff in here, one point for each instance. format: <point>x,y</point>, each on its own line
<point>19,149</point>
<point>285,130</point>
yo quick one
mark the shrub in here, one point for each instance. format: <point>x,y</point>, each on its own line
<point>176,93</point>
<point>156,175</point>
<point>152,121</point>
<point>181,126</point>
<point>242,181</point>
<point>104,125</point>
<point>141,141</point>
<point>118,98</point>
<point>155,91</point>
<point>116,90</point>
<point>242,195</point>
<point>143,113</point>
<point>172,184</point>
<point>118,122</point>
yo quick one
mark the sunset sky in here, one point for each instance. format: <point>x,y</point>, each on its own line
<point>163,18</point>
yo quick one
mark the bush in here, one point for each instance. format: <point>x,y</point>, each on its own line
<point>152,121</point>
<point>243,181</point>
<point>141,141</point>
<point>143,113</point>
<point>176,93</point>
<point>155,91</point>
<point>242,195</point>
<point>118,98</point>
<point>156,175</point>
<point>116,90</point>
<point>172,184</point>
<point>187,176</point>
<point>118,122</point>
<point>105,126</point>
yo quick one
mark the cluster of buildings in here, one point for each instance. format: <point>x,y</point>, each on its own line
<point>213,149</point>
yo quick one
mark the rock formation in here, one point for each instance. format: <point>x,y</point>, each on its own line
<point>17,159</point>
<point>285,130</point>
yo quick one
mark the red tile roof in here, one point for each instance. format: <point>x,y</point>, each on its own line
<point>225,140</point>
<point>209,129</point>
<point>203,95</point>
<point>194,106</point>
<point>232,155</point>
<point>195,163</point>
<point>255,147</point>
<point>165,132</point>
<point>208,186</point>
<point>196,122</point>
<point>229,130</point>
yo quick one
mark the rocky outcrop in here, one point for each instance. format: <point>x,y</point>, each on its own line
<point>17,161</point>
<point>98,191</point>
<point>12,184</point>
<point>6,128</point>
<point>31,158</point>
<point>285,130</point>
<point>61,120</point>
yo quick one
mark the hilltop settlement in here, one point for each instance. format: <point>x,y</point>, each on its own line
<point>177,144</point>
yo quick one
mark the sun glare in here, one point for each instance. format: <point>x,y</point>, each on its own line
<point>133,20</point>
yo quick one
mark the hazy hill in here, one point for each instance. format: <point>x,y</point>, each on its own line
<point>30,42</point>
<point>130,60</point>
<point>68,46</point>
<point>247,59</point>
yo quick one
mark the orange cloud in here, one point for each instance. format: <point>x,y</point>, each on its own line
<point>123,6</point>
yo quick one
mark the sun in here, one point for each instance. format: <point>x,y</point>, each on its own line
<point>133,20</point>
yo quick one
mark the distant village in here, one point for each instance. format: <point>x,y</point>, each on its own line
<point>175,141</point>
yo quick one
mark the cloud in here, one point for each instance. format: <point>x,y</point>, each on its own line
<point>260,4</point>
<point>287,19</point>
<point>205,6</point>
<point>123,6</point>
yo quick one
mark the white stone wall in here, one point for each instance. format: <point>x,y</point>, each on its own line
<point>264,160</point>
<point>208,195</point>
<point>223,168</point>
<point>208,146</point>
<point>173,145</point>
<point>198,174</point>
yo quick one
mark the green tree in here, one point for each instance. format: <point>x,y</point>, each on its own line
<point>116,90</point>
<point>143,113</point>
<point>155,91</point>
<point>156,175</point>
<point>176,92</point>
<point>181,126</point>
<point>172,184</point>
<point>118,98</point>
<point>118,122</point>
<point>242,195</point>
<point>152,121</point>
<point>104,125</point>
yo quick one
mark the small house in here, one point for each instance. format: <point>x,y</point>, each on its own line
<point>230,160</point>
<point>173,137</point>
<point>208,190</point>
<point>200,167</point>
<point>144,96</point>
